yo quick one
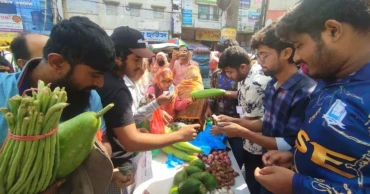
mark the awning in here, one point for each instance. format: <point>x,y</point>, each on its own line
<point>193,44</point>
<point>162,47</point>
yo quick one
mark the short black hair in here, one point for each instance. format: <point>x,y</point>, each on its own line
<point>19,48</point>
<point>81,41</point>
<point>222,46</point>
<point>267,37</point>
<point>233,57</point>
<point>122,51</point>
<point>309,16</point>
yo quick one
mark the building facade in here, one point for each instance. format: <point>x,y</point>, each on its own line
<point>152,18</point>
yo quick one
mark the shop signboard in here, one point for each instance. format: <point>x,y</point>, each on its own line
<point>228,33</point>
<point>208,35</point>
<point>155,36</point>
<point>10,23</point>
<point>33,16</point>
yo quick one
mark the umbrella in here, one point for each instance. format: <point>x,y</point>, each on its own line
<point>178,42</point>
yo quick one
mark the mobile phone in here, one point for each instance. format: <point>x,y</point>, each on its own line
<point>172,88</point>
<point>214,117</point>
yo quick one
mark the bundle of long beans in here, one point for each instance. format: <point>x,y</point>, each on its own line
<point>30,155</point>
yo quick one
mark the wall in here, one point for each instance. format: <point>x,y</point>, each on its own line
<point>276,9</point>
<point>137,14</point>
<point>200,19</point>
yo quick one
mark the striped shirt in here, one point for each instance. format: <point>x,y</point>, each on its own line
<point>285,107</point>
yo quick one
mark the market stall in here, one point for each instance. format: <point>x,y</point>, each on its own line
<point>162,179</point>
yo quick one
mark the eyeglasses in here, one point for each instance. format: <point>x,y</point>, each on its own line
<point>263,57</point>
<point>166,82</point>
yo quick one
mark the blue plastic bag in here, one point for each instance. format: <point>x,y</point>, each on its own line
<point>208,142</point>
<point>172,161</point>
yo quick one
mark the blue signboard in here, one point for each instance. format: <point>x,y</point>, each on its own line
<point>187,17</point>
<point>35,16</point>
<point>155,36</point>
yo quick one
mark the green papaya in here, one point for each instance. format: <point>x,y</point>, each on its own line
<point>174,190</point>
<point>198,175</point>
<point>198,163</point>
<point>189,186</point>
<point>210,182</point>
<point>192,169</point>
<point>202,190</point>
<point>179,177</point>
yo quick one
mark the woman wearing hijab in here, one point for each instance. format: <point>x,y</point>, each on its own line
<point>159,63</point>
<point>162,82</point>
<point>192,82</point>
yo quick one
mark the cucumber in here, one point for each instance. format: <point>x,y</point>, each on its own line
<point>76,140</point>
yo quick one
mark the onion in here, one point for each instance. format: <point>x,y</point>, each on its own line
<point>214,152</point>
<point>228,162</point>
<point>217,157</point>
<point>210,156</point>
<point>220,152</point>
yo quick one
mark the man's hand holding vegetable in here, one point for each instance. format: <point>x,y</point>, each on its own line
<point>121,180</point>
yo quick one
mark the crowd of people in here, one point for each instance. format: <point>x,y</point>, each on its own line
<point>295,113</point>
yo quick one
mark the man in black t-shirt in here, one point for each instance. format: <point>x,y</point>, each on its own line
<point>122,134</point>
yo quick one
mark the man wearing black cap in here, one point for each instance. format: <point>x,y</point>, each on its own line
<point>122,134</point>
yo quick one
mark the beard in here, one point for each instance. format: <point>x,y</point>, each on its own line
<point>325,61</point>
<point>78,99</point>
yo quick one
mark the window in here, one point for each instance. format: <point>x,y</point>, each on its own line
<point>111,9</point>
<point>216,13</point>
<point>203,12</point>
<point>207,12</point>
<point>158,13</point>
<point>135,10</point>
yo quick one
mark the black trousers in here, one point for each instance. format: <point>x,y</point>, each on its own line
<point>236,144</point>
<point>251,162</point>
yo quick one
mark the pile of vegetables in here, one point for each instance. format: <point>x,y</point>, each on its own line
<point>221,156</point>
<point>182,150</point>
<point>193,179</point>
<point>220,166</point>
<point>38,151</point>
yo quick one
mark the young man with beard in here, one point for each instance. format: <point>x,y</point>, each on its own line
<point>223,105</point>
<point>236,63</point>
<point>26,47</point>
<point>332,148</point>
<point>122,133</point>
<point>286,95</point>
<point>76,55</point>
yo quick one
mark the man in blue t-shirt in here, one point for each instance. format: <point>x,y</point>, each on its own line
<point>331,153</point>
<point>76,56</point>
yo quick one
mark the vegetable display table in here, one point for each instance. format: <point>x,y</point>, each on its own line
<point>162,179</point>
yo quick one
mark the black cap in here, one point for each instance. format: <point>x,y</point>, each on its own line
<point>131,39</point>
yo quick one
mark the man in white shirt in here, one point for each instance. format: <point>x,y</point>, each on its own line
<point>236,63</point>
